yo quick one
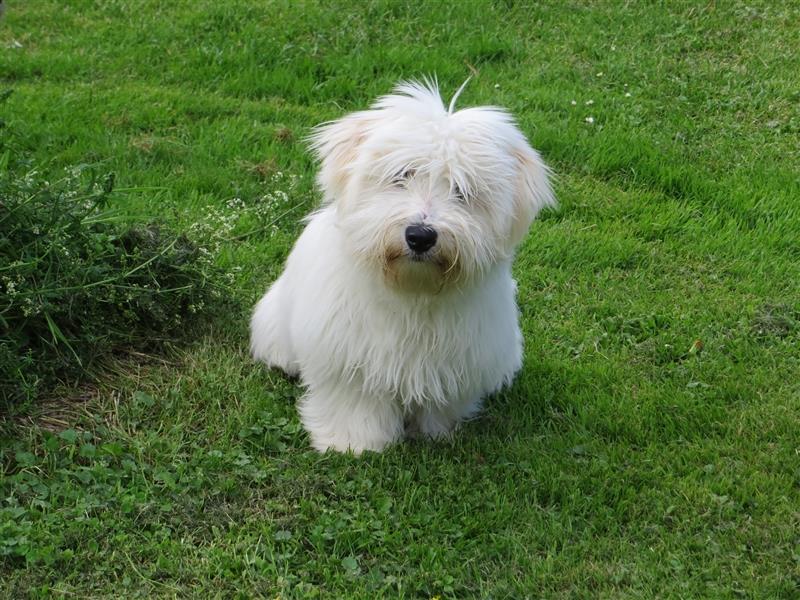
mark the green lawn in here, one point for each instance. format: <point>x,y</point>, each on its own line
<point>628,459</point>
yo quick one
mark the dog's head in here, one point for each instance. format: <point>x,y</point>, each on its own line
<point>429,195</point>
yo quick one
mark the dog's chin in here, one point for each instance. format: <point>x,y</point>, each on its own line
<point>417,274</point>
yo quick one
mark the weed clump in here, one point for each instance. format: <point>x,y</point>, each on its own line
<point>77,283</point>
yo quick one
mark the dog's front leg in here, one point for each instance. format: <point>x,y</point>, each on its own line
<point>342,417</point>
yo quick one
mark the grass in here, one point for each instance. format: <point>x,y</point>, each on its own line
<point>648,448</point>
<point>79,285</point>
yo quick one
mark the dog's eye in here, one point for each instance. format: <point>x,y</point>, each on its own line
<point>403,177</point>
<point>459,194</point>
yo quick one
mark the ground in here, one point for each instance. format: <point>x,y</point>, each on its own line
<point>649,448</point>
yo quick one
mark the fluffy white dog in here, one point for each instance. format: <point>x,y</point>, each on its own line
<point>397,306</point>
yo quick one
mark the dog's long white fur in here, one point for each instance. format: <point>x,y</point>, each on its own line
<point>386,341</point>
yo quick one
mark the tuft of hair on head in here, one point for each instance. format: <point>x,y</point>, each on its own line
<point>452,106</point>
<point>427,85</point>
<point>425,90</point>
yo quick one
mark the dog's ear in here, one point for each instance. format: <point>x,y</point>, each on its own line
<point>335,145</point>
<point>532,191</point>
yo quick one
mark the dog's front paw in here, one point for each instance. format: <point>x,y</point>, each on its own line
<point>434,425</point>
<point>439,422</point>
<point>342,418</point>
<point>340,443</point>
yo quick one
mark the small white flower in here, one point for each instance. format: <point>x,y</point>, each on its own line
<point>589,120</point>
<point>589,102</point>
<point>574,103</point>
<point>600,74</point>
<point>496,85</point>
<point>627,94</point>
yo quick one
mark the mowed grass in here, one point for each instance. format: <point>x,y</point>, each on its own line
<point>649,447</point>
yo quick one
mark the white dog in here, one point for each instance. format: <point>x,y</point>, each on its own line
<point>397,306</point>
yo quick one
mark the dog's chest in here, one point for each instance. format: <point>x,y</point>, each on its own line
<point>421,353</point>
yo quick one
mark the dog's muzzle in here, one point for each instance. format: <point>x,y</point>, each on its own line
<point>420,238</point>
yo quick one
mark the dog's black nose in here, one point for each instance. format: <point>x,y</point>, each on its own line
<point>420,238</point>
